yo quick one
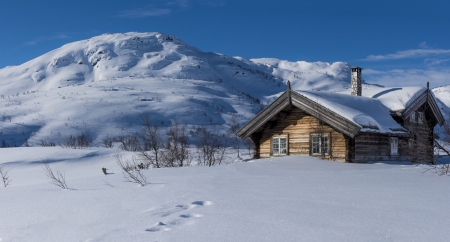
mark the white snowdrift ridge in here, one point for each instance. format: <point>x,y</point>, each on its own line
<point>101,86</point>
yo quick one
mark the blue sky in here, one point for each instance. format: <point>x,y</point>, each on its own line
<point>396,42</point>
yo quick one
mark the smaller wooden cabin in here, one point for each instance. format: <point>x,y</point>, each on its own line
<point>346,128</point>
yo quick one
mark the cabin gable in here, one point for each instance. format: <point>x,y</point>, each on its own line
<point>298,128</point>
<point>425,102</point>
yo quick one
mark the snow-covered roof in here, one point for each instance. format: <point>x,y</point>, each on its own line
<point>369,113</point>
<point>346,113</point>
<point>403,100</point>
<point>395,98</point>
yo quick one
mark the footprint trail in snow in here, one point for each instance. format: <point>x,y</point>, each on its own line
<point>177,216</point>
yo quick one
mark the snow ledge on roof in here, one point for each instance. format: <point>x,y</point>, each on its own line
<point>369,113</point>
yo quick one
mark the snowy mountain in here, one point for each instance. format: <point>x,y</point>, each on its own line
<point>102,85</point>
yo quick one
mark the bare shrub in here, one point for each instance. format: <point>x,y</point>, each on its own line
<point>212,147</point>
<point>131,170</point>
<point>47,144</point>
<point>176,151</point>
<point>153,143</point>
<point>108,142</point>
<point>233,127</point>
<point>77,142</point>
<point>129,142</point>
<point>57,179</point>
<point>249,145</point>
<point>5,176</point>
<point>442,148</point>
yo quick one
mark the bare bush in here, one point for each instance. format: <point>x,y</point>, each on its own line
<point>176,151</point>
<point>442,149</point>
<point>212,147</point>
<point>77,142</point>
<point>131,170</point>
<point>108,142</point>
<point>57,179</point>
<point>233,127</point>
<point>249,145</point>
<point>129,142</point>
<point>153,143</point>
<point>47,144</point>
<point>5,176</point>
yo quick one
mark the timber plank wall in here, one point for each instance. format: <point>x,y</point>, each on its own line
<point>297,126</point>
<point>375,147</point>
<point>422,136</point>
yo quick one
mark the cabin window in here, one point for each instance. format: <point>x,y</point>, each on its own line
<point>410,143</point>
<point>394,146</point>
<point>420,118</point>
<point>412,118</point>
<point>279,145</point>
<point>319,144</point>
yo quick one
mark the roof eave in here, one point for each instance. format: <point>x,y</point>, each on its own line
<point>265,115</point>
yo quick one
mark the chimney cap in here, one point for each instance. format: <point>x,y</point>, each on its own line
<point>357,67</point>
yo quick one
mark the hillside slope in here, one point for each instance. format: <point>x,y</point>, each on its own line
<point>101,86</point>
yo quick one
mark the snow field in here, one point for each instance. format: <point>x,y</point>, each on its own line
<point>282,199</point>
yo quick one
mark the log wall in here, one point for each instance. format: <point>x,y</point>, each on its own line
<point>298,126</point>
<point>376,147</point>
<point>422,136</point>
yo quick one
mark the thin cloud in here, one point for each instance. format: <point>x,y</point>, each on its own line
<point>436,61</point>
<point>424,45</point>
<point>142,13</point>
<point>46,38</point>
<point>408,77</point>
<point>408,54</point>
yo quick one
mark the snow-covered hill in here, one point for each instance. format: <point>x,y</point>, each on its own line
<point>102,85</point>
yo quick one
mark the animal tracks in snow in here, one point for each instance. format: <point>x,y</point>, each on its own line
<point>177,216</point>
<point>177,209</point>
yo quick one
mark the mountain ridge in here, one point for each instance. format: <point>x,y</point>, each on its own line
<point>101,86</point>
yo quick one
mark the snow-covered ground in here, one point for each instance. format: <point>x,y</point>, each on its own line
<point>282,199</point>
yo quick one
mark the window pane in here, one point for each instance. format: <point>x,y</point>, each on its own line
<point>276,141</point>
<point>275,146</point>
<point>283,146</point>
<point>420,118</point>
<point>394,146</point>
<point>315,144</point>
<point>276,151</point>
<point>325,144</point>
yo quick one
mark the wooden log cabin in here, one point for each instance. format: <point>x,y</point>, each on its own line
<point>382,124</point>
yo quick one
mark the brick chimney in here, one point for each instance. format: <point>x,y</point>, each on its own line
<point>356,81</point>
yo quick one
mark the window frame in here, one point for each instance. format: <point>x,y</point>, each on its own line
<point>420,117</point>
<point>412,118</point>
<point>394,146</point>
<point>279,138</point>
<point>321,138</point>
